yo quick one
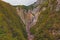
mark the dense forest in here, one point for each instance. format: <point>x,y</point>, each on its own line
<point>47,26</point>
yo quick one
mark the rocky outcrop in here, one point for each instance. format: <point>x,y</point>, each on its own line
<point>29,18</point>
<point>47,27</point>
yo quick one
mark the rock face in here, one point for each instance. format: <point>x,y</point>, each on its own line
<point>58,2</point>
<point>39,21</point>
<point>38,2</point>
<point>30,18</point>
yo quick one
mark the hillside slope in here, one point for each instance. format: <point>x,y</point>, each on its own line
<point>47,26</point>
<point>48,23</point>
<point>11,26</point>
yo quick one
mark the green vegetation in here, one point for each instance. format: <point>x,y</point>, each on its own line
<point>48,23</point>
<point>46,28</point>
<point>25,7</point>
<point>11,26</point>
